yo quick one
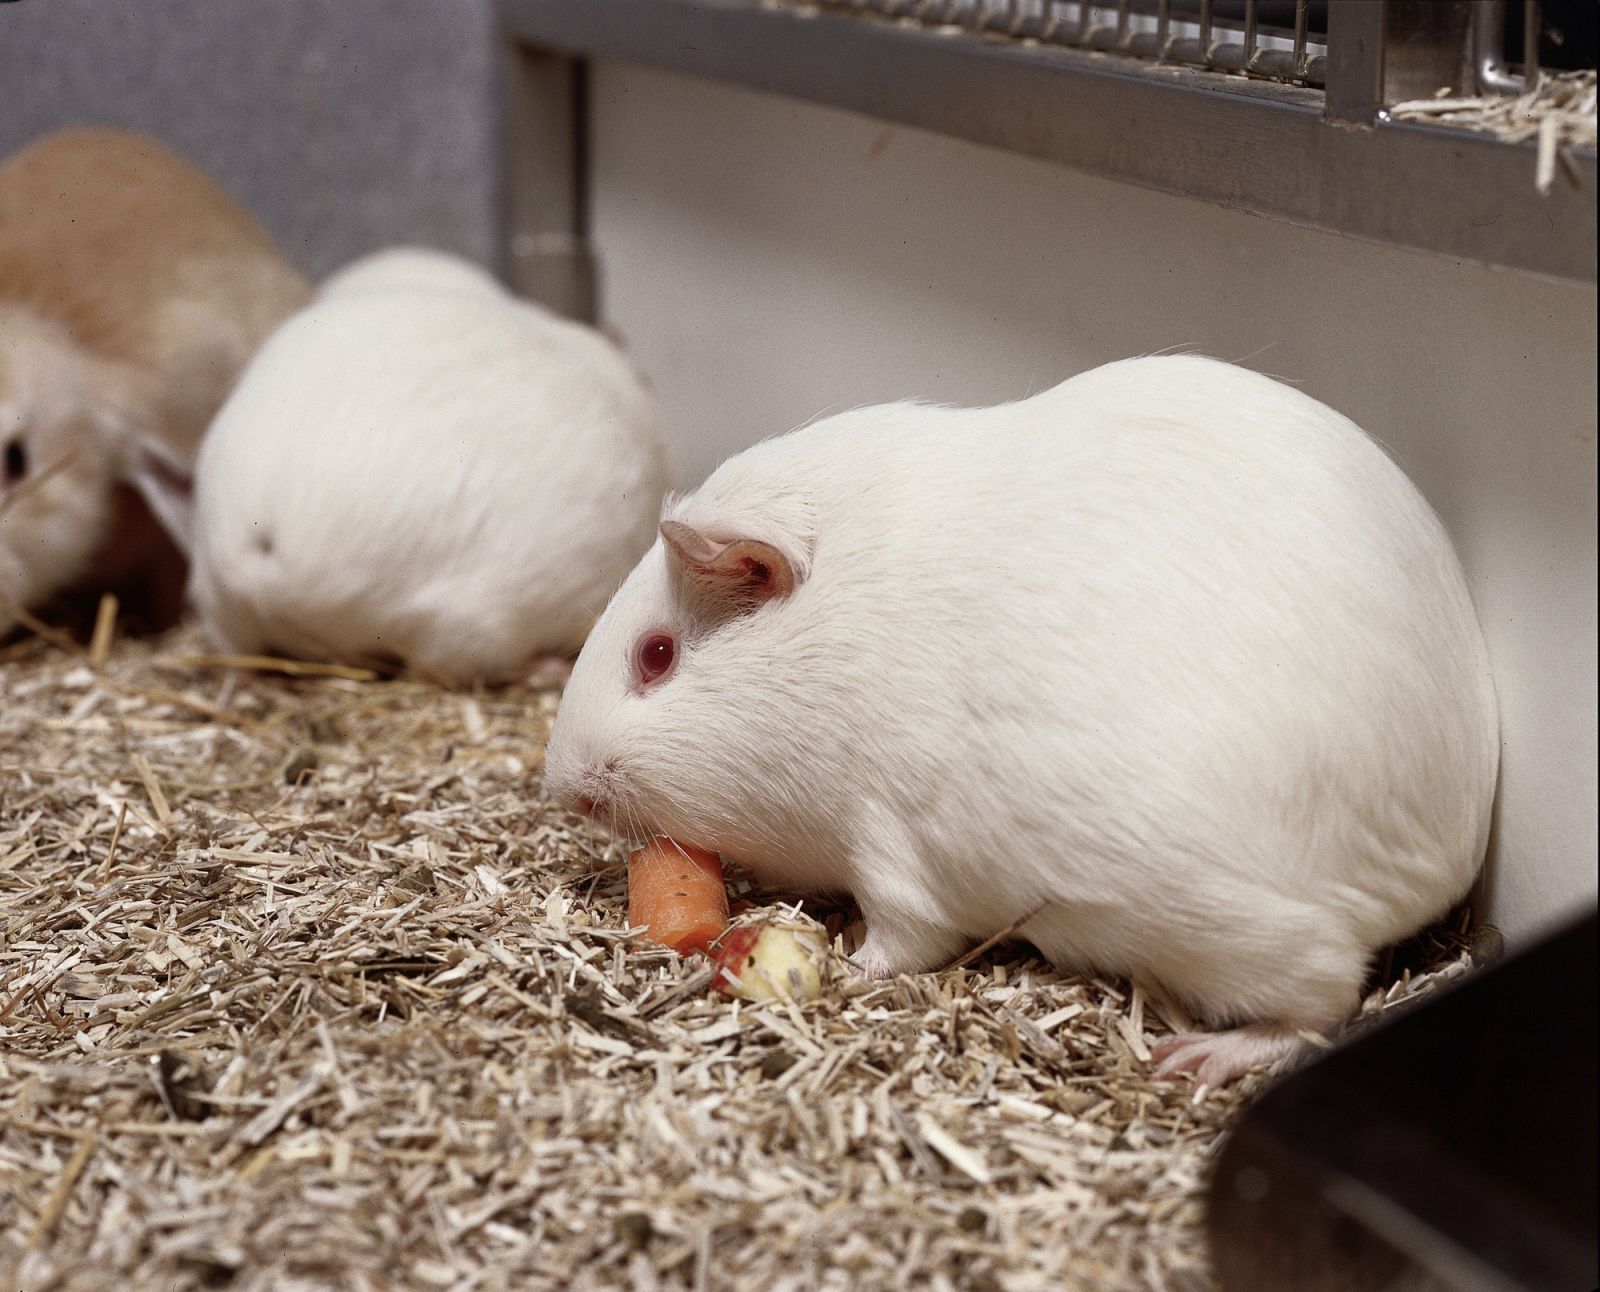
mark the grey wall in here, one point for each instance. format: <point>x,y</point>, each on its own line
<point>344,125</point>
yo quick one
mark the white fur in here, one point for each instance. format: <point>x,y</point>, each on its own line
<point>410,269</point>
<point>453,478</point>
<point>1170,662</point>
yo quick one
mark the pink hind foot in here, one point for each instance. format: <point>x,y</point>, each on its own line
<point>1216,1058</point>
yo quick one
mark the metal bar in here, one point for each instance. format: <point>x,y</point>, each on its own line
<point>999,15</point>
<point>1152,44</point>
<point>1302,10</point>
<point>1427,49</point>
<point>1488,37</point>
<point>1123,32</point>
<point>1355,61</point>
<point>1109,38</point>
<point>1248,145</point>
<point>1194,49</point>
<point>545,181</point>
<point>1532,21</point>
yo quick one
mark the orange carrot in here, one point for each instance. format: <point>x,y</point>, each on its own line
<point>676,891</point>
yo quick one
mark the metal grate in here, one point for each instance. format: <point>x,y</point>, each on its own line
<point>1275,40</point>
<point>1279,107</point>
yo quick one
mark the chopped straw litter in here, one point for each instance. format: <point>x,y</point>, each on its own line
<point>1559,111</point>
<point>303,985</point>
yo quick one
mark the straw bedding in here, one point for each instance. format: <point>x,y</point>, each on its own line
<point>303,985</point>
<point>1558,111</point>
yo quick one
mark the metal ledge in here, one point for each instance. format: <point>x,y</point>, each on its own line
<point>1238,143</point>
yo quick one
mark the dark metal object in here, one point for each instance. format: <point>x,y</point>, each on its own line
<point>1387,51</point>
<point>1566,34</point>
<point>1494,77</point>
<point>1427,48</point>
<point>1238,142</point>
<point>544,169</point>
<point>1225,35</point>
<point>1452,1149</point>
<point>1355,61</point>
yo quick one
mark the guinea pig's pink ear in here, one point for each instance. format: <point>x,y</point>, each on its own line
<point>744,572</point>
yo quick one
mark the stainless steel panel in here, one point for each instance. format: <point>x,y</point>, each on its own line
<point>1240,143</point>
<point>543,174</point>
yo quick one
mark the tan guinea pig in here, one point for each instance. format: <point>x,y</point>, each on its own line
<point>132,292</point>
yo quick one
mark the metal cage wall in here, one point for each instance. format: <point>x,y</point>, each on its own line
<point>1278,40</point>
<point>1278,107</point>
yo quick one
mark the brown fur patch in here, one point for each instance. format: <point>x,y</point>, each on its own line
<point>137,562</point>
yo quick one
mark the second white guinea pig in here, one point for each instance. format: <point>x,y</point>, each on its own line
<point>410,269</point>
<point>455,479</point>
<point>1170,667</point>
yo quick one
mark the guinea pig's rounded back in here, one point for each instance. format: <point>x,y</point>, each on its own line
<point>410,269</point>
<point>460,474</point>
<point>1290,626</point>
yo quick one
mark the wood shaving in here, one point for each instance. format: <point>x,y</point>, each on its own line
<point>303,985</point>
<point>1559,112</point>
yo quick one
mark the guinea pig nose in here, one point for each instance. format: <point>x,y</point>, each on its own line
<point>591,791</point>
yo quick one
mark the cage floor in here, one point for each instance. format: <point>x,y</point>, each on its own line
<point>303,985</point>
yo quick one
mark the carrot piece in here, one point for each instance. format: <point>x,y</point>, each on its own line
<point>676,891</point>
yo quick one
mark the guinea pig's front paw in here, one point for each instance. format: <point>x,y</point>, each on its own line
<point>903,946</point>
<point>871,961</point>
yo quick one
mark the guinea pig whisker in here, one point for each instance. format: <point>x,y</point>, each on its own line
<point>635,830</point>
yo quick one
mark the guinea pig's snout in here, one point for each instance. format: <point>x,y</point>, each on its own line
<point>592,791</point>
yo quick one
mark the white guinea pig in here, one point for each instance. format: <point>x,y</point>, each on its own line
<point>410,269</point>
<point>1170,664</point>
<point>453,478</point>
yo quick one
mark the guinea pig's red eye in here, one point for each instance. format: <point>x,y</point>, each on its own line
<point>654,657</point>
